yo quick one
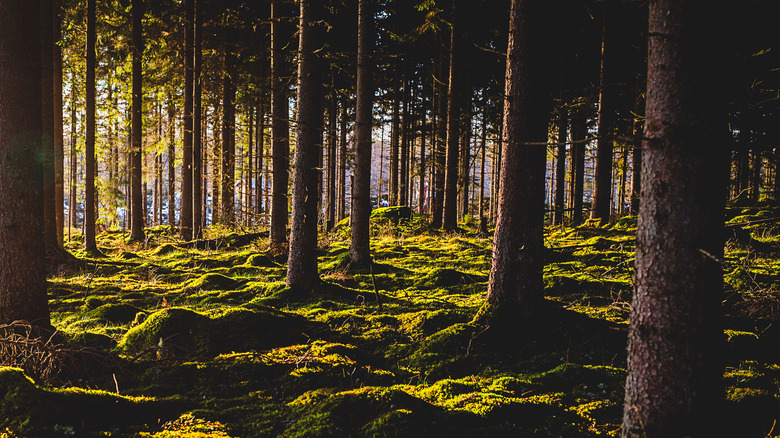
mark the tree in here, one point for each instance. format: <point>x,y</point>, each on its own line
<point>22,269</point>
<point>280,130</point>
<point>560,165</point>
<point>47,106</point>
<point>674,382</point>
<point>197,133</point>
<point>137,199</point>
<point>90,245</point>
<point>186,162</point>
<point>359,250</point>
<point>515,287</point>
<point>59,155</point>
<point>602,183</point>
<point>450,208</point>
<point>302,261</point>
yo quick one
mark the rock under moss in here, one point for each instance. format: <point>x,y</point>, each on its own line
<point>213,282</point>
<point>114,313</point>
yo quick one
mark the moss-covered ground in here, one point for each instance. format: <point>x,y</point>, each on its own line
<point>205,341</point>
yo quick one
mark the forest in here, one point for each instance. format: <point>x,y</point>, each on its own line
<point>386,218</point>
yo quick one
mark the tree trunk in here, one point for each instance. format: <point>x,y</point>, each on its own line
<point>302,272</point>
<point>560,166</point>
<point>22,269</point>
<point>755,180</point>
<point>228,171</point>
<point>197,123</point>
<point>171,162</point>
<point>675,381</point>
<point>359,250</point>
<point>90,245</point>
<point>515,287</point>
<point>602,191</point>
<point>185,222</point>
<point>342,197</point>
<point>280,130</point>
<point>440,142</point>
<point>332,142</point>
<point>450,209</point>
<point>395,136</point>
<point>137,222</point>
<point>59,154</point>
<point>464,156</point>
<point>578,134</point>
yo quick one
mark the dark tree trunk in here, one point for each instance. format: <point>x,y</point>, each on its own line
<point>675,381</point>
<point>395,136</point>
<point>515,287</point>
<point>228,171</point>
<point>450,209</point>
<point>171,162</point>
<point>90,244</point>
<point>440,142</point>
<point>185,221</point>
<point>280,130</point>
<point>464,156</point>
<point>302,272</point>
<point>216,166</point>
<point>22,269</point>
<point>332,143</point>
<point>137,222</point>
<point>197,123</point>
<point>359,250</point>
<point>578,135</point>
<point>47,108</point>
<point>636,171</point>
<point>59,154</point>
<point>403,163</point>
<point>560,166</point>
<point>602,183</point>
<point>342,197</point>
<point>755,179</point>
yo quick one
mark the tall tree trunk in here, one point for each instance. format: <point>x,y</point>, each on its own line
<point>515,287</point>
<point>73,159</point>
<point>395,138</point>
<point>560,166</point>
<point>483,146</point>
<point>302,272</point>
<point>675,375</point>
<point>185,222</point>
<point>59,154</point>
<point>403,171</point>
<point>137,222</point>
<point>197,122</point>
<point>171,162</point>
<point>578,135</point>
<point>464,156</point>
<point>755,180</point>
<point>440,142</point>
<point>228,172</point>
<point>359,250</point>
<point>216,166</point>
<point>332,142</point>
<point>450,210</point>
<point>342,197</point>
<point>249,172</point>
<point>90,245</point>
<point>280,130</point>
<point>602,184</point>
<point>22,269</point>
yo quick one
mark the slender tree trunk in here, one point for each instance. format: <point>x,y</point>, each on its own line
<point>560,166</point>
<point>186,162</point>
<point>450,210</point>
<point>249,170</point>
<point>280,131</point>
<point>197,122</point>
<point>578,135</point>
<point>515,287</point>
<point>59,154</point>
<point>483,146</point>
<point>755,180</point>
<point>137,222</point>
<point>73,163</point>
<point>216,166</point>
<point>440,142</point>
<point>602,191</point>
<point>22,269</point>
<point>171,162</point>
<point>90,244</point>
<point>332,142</point>
<point>342,198</point>
<point>302,272</point>
<point>395,135</point>
<point>403,171</point>
<point>464,156</point>
<point>360,250</point>
<point>228,171</point>
<point>675,370</point>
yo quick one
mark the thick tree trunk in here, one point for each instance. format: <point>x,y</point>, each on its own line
<point>280,130</point>
<point>756,180</point>
<point>47,108</point>
<point>137,222</point>
<point>197,123</point>
<point>171,162</point>
<point>332,143</point>
<point>59,154</point>
<point>403,163</point>
<point>342,197</point>
<point>464,156</point>
<point>228,171</point>
<point>359,250</point>
<point>395,136</point>
<point>675,381</point>
<point>450,208</point>
<point>302,272</point>
<point>602,183</point>
<point>440,143</point>
<point>22,269</point>
<point>560,166</point>
<point>185,222</point>
<point>515,287</point>
<point>90,244</point>
<point>578,134</point>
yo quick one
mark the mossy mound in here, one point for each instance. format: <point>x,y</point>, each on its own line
<point>391,214</point>
<point>179,332</point>
<point>166,248</point>
<point>93,340</point>
<point>114,313</point>
<point>261,261</point>
<point>213,282</point>
<point>442,277</point>
<point>127,255</point>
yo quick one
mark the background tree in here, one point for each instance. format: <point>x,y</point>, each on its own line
<point>22,270</point>
<point>187,162</point>
<point>137,203</point>
<point>674,384</point>
<point>90,245</point>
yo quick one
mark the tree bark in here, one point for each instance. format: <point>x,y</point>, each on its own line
<point>450,209</point>
<point>137,202</point>
<point>22,269</point>
<point>360,250</point>
<point>171,162</point>
<point>515,287</point>
<point>197,123</point>
<point>332,143</point>
<point>302,272</point>
<point>560,166</point>
<point>280,130</point>
<point>675,381</point>
<point>228,171</point>
<point>395,136</point>
<point>602,183</point>
<point>440,142</point>
<point>185,215</point>
<point>90,245</point>
<point>59,154</point>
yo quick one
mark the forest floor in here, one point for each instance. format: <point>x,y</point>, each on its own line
<point>164,340</point>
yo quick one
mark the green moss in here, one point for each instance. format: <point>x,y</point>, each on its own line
<point>169,329</point>
<point>213,281</point>
<point>114,313</point>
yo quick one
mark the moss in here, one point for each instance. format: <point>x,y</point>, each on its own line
<point>213,282</point>
<point>165,249</point>
<point>436,278</point>
<point>114,313</point>
<point>170,329</point>
<point>261,261</point>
